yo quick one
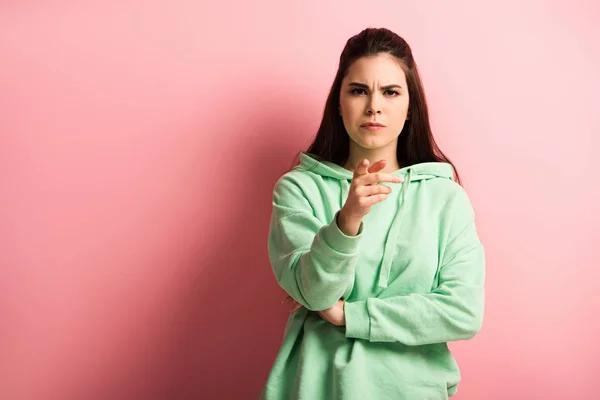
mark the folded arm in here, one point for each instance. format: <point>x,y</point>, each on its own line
<point>453,311</point>
<point>314,262</point>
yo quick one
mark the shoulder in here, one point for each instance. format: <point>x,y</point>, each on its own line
<point>294,182</point>
<point>297,189</point>
<point>454,199</point>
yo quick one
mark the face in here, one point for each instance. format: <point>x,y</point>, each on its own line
<point>374,90</point>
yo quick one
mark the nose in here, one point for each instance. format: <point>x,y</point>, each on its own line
<point>374,107</point>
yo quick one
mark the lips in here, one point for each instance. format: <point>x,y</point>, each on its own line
<point>372,124</point>
<point>372,127</point>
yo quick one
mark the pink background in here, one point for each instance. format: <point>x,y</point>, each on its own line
<point>140,142</point>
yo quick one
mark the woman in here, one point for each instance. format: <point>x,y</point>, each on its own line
<point>375,241</point>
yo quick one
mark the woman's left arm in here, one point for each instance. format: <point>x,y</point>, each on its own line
<point>453,311</point>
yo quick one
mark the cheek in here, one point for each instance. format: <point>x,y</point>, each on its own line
<point>349,106</point>
<point>399,111</point>
<point>351,117</point>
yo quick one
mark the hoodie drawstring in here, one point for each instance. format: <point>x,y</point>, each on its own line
<point>392,239</point>
<point>344,189</point>
<point>312,166</point>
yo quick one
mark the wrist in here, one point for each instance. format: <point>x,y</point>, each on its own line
<point>348,225</point>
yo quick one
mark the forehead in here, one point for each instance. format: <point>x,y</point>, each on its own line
<point>384,68</point>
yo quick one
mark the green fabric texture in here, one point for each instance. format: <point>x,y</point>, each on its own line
<point>412,281</point>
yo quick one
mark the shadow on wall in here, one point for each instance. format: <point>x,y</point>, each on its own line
<point>232,321</point>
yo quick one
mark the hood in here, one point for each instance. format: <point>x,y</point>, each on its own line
<point>412,173</point>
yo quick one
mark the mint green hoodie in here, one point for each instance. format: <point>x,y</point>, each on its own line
<point>412,280</point>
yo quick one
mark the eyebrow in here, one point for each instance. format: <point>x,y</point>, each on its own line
<point>362,85</point>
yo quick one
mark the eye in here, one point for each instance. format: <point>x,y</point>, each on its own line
<point>358,91</point>
<point>354,91</point>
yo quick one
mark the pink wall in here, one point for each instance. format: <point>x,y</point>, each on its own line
<point>140,142</point>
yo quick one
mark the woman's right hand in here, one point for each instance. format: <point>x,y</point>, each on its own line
<point>364,192</point>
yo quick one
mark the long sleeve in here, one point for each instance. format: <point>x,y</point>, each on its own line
<point>314,262</point>
<point>453,311</point>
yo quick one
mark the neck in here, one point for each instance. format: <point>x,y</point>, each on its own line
<point>358,153</point>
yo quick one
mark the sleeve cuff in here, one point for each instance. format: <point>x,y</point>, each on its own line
<point>358,324</point>
<point>338,240</point>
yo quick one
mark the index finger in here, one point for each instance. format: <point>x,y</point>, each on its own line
<point>377,166</point>
<point>379,177</point>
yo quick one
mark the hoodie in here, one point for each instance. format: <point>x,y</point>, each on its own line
<point>412,280</point>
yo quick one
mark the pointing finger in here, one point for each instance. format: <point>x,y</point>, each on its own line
<point>377,166</point>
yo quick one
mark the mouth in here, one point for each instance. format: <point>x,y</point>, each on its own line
<point>372,127</point>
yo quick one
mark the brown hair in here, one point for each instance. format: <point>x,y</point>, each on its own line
<point>415,143</point>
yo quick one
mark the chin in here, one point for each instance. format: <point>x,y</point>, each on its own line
<point>372,143</point>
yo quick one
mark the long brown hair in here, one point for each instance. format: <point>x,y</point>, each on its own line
<point>416,143</point>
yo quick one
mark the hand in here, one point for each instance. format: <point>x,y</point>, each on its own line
<point>365,192</point>
<point>295,305</point>
<point>334,314</point>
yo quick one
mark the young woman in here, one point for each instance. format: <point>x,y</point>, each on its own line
<point>375,241</point>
